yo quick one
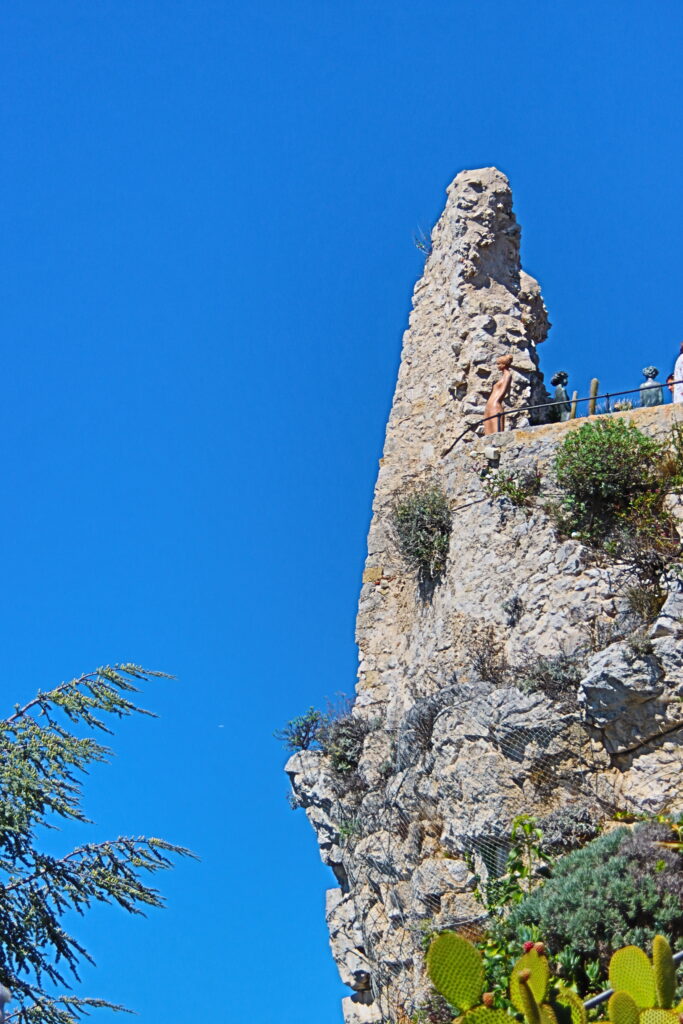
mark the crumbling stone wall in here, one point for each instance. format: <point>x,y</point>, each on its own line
<point>451,757</point>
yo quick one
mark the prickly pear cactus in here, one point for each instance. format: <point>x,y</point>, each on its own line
<point>568,1007</point>
<point>524,998</point>
<point>644,990</point>
<point>484,1015</point>
<point>664,971</point>
<point>659,1016</point>
<point>456,970</point>
<point>622,1009</point>
<point>548,1015</point>
<point>529,992</point>
<point>539,974</point>
<point>630,971</point>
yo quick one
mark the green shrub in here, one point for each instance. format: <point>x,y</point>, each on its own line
<point>304,731</point>
<point>601,468</point>
<point>486,654</point>
<point>615,481</point>
<point>422,524</point>
<point>337,733</point>
<point>672,467</point>
<point>349,828</point>
<point>518,488</point>
<point>620,889</point>
<point>645,535</point>
<point>342,741</point>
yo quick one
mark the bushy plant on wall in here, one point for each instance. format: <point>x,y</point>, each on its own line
<point>601,468</point>
<point>614,481</point>
<point>337,733</point>
<point>422,524</point>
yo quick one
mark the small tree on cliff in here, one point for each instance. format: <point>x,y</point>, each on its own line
<point>41,761</point>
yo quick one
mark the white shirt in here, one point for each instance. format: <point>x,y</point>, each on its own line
<point>678,375</point>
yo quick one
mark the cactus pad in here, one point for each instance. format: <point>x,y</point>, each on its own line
<point>456,970</point>
<point>664,971</point>
<point>527,1001</point>
<point>539,970</point>
<point>622,1009</point>
<point>548,1015</point>
<point>569,1008</point>
<point>483,1015</point>
<point>657,1016</point>
<point>631,971</point>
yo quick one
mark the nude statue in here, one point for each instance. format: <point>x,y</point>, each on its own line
<point>495,409</point>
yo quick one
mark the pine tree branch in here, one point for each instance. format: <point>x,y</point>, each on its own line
<point>114,675</point>
<point>123,843</point>
<point>43,696</point>
<point>41,764</point>
<point>59,1010</point>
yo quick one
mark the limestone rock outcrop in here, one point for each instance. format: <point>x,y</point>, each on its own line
<point>464,729</point>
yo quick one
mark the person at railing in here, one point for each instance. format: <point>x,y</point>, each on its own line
<point>494,411</point>
<point>678,377</point>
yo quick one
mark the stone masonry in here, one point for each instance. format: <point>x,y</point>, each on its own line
<point>453,751</point>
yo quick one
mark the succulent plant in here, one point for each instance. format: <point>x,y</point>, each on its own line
<point>630,971</point>
<point>644,990</point>
<point>622,1009</point>
<point>456,969</point>
<point>568,1007</point>
<point>485,1015</point>
<point>536,964</point>
<point>664,971</point>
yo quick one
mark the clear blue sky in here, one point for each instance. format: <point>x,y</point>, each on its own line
<point>207,261</point>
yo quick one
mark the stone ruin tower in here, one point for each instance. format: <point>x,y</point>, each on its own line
<point>448,750</point>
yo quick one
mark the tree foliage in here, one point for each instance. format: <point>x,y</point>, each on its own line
<point>304,731</point>
<point>42,760</point>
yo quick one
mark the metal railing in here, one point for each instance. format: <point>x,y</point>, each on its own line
<point>607,396</point>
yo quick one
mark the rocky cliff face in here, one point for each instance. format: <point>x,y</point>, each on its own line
<point>457,735</point>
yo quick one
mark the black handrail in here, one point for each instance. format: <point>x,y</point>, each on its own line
<point>548,405</point>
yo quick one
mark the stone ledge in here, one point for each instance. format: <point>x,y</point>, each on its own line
<point>656,420</point>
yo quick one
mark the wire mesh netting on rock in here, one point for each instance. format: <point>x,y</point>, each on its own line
<point>419,834</point>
